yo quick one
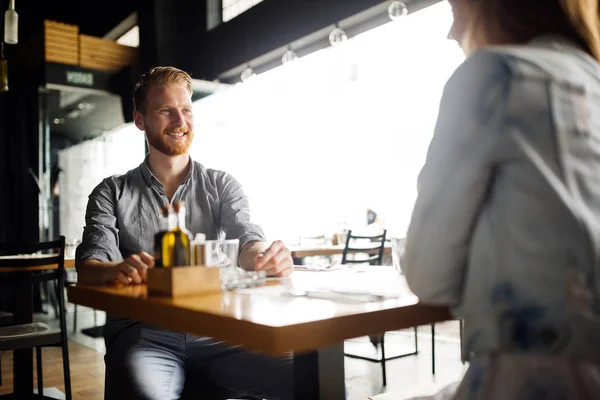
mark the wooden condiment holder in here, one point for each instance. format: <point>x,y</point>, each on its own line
<point>183,281</point>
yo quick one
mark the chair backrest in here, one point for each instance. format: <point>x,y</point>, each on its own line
<point>16,256</point>
<point>371,246</point>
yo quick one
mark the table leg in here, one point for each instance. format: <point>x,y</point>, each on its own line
<point>320,374</point>
<point>23,359</point>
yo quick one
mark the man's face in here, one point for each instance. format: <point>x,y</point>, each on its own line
<point>167,120</point>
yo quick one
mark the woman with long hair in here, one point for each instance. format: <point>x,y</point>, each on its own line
<point>506,227</point>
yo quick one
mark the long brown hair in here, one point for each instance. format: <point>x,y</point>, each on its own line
<point>519,21</point>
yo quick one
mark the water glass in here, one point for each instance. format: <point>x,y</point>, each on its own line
<point>71,247</point>
<point>223,254</point>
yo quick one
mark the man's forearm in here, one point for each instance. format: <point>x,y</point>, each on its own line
<point>249,253</point>
<point>94,272</point>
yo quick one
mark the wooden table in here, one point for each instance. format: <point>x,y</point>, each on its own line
<point>323,250</point>
<point>269,320</point>
<point>23,314</point>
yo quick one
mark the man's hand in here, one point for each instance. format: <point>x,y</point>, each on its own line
<point>133,269</point>
<point>276,260</point>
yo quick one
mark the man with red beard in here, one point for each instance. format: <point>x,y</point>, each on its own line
<point>146,362</point>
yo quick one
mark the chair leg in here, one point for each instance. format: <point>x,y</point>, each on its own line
<point>416,340</point>
<point>75,318</point>
<point>383,371</point>
<point>433,349</point>
<point>40,376</point>
<point>66,370</point>
<point>0,369</point>
<point>64,343</point>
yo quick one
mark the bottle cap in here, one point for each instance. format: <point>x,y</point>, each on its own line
<point>164,210</point>
<point>178,205</point>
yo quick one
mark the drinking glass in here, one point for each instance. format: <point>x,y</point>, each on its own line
<point>397,250</point>
<point>223,254</point>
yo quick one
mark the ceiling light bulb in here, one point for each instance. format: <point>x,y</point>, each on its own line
<point>337,36</point>
<point>397,10</point>
<point>289,56</point>
<point>247,74</point>
<point>11,24</point>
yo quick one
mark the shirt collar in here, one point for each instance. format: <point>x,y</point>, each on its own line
<point>149,176</point>
<point>552,39</point>
<point>190,174</point>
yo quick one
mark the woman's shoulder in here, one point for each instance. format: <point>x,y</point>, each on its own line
<point>483,75</point>
<point>541,59</point>
<point>480,69</point>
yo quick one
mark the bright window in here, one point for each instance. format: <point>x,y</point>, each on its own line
<point>233,8</point>
<point>318,141</point>
<point>131,37</point>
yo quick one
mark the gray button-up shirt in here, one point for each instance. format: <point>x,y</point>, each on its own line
<point>122,214</point>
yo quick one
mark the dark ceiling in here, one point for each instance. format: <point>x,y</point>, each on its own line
<point>94,18</point>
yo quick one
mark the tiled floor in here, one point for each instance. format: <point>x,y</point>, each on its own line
<point>411,375</point>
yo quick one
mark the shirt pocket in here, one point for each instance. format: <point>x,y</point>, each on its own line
<point>139,224</point>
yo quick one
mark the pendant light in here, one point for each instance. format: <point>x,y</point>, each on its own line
<point>11,24</point>
<point>289,56</point>
<point>397,10</point>
<point>337,36</point>
<point>247,74</point>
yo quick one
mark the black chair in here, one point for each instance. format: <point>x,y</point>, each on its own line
<point>369,250</point>
<point>371,247</point>
<point>460,334</point>
<point>25,334</point>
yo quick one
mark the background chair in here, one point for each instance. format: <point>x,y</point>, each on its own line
<point>369,250</point>
<point>35,334</point>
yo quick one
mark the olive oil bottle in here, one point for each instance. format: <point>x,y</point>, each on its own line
<point>165,224</point>
<point>176,242</point>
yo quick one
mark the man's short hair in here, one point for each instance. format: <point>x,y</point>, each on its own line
<point>158,76</point>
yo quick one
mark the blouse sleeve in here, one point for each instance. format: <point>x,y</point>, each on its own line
<point>453,183</point>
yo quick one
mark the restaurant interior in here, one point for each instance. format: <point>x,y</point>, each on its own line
<point>323,110</point>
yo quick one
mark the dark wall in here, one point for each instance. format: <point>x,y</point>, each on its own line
<point>170,30</point>
<point>18,153</point>
<point>19,106</point>
<point>265,27</point>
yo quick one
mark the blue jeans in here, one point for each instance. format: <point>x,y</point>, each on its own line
<point>144,362</point>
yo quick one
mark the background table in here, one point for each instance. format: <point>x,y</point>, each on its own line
<point>325,250</point>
